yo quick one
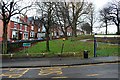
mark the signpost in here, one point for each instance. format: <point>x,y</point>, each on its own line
<point>62,47</point>
<point>95,47</point>
<point>26,45</point>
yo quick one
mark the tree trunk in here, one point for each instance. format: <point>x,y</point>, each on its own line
<point>4,42</point>
<point>118,28</point>
<point>74,31</point>
<point>106,27</point>
<point>91,27</point>
<point>65,34</point>
<point>91,30</point>
<point>47,41</point>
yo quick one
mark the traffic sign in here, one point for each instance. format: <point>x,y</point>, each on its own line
<point>26,44</point>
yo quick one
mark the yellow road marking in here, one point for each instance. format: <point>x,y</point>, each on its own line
<point>48,71</point>
<point>60,77</point>
<point>15,73</point>
<point>92,74</point>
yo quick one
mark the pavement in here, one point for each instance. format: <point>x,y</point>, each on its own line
<point>50,62</point>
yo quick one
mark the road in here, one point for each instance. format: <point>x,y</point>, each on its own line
<point>106,70</point>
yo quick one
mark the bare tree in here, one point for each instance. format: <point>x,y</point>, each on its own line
<point>8,9</point>
<point>69,13</point>
<point>91,16</point>
<point>114,13</point>
<point>104,17</point>
<point>61,12</point>
<point>111,13</point>
<point>86,27</point>
<point>77,10</point>
<point>46,10</point>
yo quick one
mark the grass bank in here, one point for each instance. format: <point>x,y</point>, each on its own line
<point>72,48</point>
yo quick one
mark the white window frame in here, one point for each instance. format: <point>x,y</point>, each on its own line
<point>15,33</point>
<point>25,35</point>
<point>15,25</point>
<point>21,26</point>
<point>25,27</point>
<point>38,29</point>
<point>32,27</point>
<point>32,34</point>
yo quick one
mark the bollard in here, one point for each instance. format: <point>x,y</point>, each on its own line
<point>11,55</point>
<point>85,54</point>
<point>27,55</point>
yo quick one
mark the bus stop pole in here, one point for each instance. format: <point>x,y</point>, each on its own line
<point>95,46</point>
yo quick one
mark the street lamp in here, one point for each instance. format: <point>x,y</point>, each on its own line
<point>95,44</point>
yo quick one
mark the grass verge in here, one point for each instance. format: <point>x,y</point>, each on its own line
<point>71,49</point>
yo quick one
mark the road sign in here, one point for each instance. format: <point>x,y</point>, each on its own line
<point>26,44</point>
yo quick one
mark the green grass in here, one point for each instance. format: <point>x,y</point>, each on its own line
<point>72,48</point>
<point>107,50</point>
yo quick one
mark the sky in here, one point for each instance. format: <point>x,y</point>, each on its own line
<point>99,4</point>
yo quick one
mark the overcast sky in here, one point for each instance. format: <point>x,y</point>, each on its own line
<point>99,4</point>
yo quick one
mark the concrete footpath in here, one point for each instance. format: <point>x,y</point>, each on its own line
<point>50,62</point>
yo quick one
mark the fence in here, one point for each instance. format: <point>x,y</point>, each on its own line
<point>106,45</point>
<point>15,46</point>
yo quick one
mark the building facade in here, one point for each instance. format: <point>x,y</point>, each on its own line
<point>23,28</point>
<point>18,29</point>
<point>30,28</point>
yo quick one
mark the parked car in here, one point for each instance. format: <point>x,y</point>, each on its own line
<point>40,39</point>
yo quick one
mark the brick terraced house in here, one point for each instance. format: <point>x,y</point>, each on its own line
<point>18,29</point>
<point>30,28</point>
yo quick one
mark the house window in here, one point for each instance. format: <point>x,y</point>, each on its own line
<point>32,34</point>
<point>15,25</point>
<point>32,22</point>
<point>14,35</point>
<point>38,29</point>
<point>25,28</point>
<point>25,36</point>
<point>39,35</point>
<point>20,26</point>
<point>32,27</point>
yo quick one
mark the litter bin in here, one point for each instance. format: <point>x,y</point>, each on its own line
<point>85,54</point>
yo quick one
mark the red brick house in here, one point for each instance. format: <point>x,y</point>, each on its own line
<point>18,29</point>
<point>23,28</point>
<point>1,29</point>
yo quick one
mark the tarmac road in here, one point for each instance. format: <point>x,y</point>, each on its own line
<point>105,70</point>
